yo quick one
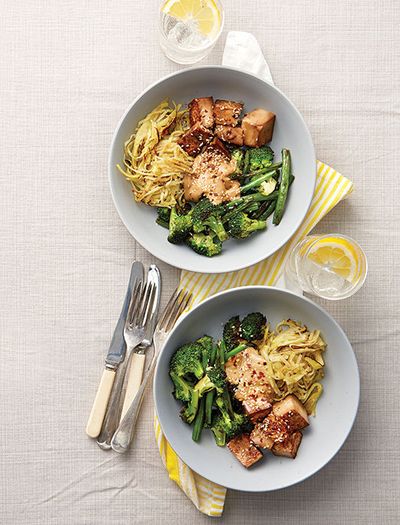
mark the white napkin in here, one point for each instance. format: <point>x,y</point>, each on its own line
<point>243,52</point>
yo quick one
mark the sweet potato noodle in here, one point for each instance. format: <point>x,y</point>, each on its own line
<point>154,163</point>
<point>295,364</point>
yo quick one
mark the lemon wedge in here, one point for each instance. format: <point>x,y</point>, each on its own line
<point>337,254</point>
<point>204,13</point>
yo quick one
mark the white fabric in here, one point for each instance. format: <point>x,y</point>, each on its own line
<point>68,70</point>
<point>243,52</point>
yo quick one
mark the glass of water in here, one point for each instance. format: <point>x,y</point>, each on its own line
<point>330,266</point>
<point>189,29</point>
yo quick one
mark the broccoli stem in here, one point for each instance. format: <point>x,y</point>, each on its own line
<point>235,351</point>
<point>199,421</point>
<point>274,166</point>
<point>209,404</point>
<point>162,223</point>
<point>284,186</point>
<point>221,353</point>
<point>256,181</point>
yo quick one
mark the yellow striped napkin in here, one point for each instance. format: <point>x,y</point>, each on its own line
<point>331,188</point>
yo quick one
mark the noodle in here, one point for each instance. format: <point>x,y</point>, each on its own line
<point>294,362</point>
<point>154,163</point>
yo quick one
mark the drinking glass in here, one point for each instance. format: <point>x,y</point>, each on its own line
<point>330,266</point>
<point>189,29</point>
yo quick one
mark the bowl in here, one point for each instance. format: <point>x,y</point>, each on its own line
<point>336,409</point>
<point>290,131</point>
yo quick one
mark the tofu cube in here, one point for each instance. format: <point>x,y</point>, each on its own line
<point>217,146</point>
<point>229,134</point>
<point>292,411</point>
<point>195,139</point>
<point>258,127</point>
<point>227,112</point>
<point>289,447</point>
<point>271,430</point>
<point>201,110</point>
<point>244,450</point>
<point>257,408</point>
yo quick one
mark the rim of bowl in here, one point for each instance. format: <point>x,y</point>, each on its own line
<point>324,312</point>
<point>141,237</point>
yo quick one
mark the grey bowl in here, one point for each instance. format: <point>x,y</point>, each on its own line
<point>290,131</point>
<point>336,410</point>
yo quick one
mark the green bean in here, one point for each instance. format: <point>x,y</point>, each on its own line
<point>199,421</point>
<point>284,186</point>
<point>209,404</point>
<point>270,209</point>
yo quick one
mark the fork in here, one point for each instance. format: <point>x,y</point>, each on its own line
<point>177,304</point>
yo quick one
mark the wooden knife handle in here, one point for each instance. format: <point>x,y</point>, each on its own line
<point>133,380</point>
<point>99,407</point>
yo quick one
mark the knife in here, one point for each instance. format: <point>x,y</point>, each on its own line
<point>115,356</point>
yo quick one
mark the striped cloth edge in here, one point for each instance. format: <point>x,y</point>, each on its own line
<point>331,188</point>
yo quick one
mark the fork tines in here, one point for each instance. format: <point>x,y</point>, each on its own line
<point>178,302</point>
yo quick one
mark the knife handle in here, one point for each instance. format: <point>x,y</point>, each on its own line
<point>99,407</point>
<point>133,380</point>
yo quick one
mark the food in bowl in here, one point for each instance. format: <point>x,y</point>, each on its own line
<point>209,171</point>
<point>255,388</point>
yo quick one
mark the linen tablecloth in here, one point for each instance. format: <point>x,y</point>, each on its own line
<point>68,70</point>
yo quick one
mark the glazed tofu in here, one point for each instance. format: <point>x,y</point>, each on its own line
<point>218,147</point>
<point>201,110</point>
<point>289,447</point>
<point>195,139</point>
<point>227,112</point>
<point>246,371</point>
<point>244,450</point>
<point>257,408</point>
<point>210,176</point>
<point>293,412</point>
<point>229,134</point>
<point>258,127</point>
<point>273,429</point>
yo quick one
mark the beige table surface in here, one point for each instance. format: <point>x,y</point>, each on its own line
<point>68,70</point>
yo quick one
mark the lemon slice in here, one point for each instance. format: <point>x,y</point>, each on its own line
<point>337,254</point>
<point>204,13</point>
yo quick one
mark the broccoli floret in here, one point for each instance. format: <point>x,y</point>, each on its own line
<point>241,226</point>
<point>238,155</point>
<point>260,158</point>
<point>231,333</point>
<point>180,227</point>
<point>183,390</point>
<point>240,424</point>
<point>204,244</point>
<point>215,379</point>
<point>253,326</point>
<point>208,353</point>
<point>219,430</point>
<point>201,211</point>
<point>187,361</point>
<point>215,224</point>
<point>163,215</point>
<point>188,412</point>
<point>267,187</point>
<point>232,423</point>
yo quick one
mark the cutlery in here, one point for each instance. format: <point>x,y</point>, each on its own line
<point>113,413</point>
<point>178,302</point>
<point>115,355</point>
